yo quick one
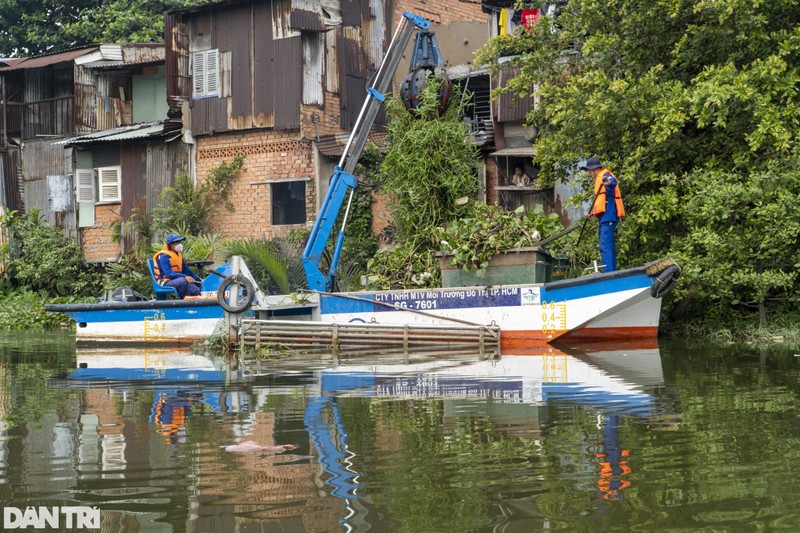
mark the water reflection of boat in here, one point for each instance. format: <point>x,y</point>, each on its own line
<point>611,382</point>
<point>145,365</point>
<point>611,378</point>
<point>511,391</point>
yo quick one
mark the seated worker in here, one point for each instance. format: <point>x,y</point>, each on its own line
<point>520,178</point>
<point>171,270</point>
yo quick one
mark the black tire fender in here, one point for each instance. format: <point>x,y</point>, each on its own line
<point>665,281</point>
<point>244,283</point>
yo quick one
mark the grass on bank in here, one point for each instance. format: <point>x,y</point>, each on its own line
<point>738,328</point>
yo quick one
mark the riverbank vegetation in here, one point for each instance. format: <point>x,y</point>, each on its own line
<point>693,105</point>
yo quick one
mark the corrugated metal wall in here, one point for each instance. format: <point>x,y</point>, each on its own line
<point>263,68</point>
<point>233,33</point>
<point>352,74</point>
<point>38,84</point>
<point>86,97</point>
<point>288,85</point>
<point>313,66</point>
<point>332,61</point>
<point>133,162</point>
<point>281,20</point>
<point>509,107</point>
<point>179,82</point>
<point>263,52</point>
<point>360,47</point>
<point>41,159</point>
<point>106,155</point>
<point>10,196</point>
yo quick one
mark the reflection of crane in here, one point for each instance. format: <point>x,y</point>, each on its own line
<point>323,421</point>
<point>343,180</point>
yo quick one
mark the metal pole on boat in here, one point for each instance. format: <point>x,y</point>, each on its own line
<point>586,218</point>
<point>233,320</point>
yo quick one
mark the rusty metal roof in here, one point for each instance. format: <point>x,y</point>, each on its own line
<point>7,62</point>
<point>332,145</point>
<point>301,19</point>
<point>52,59</point>
<point>123,133</point>
<point>204,7</point>
<point>124,55</point>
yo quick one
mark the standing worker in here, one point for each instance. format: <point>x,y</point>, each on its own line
<point>608,209</point>
<point>171,270</point>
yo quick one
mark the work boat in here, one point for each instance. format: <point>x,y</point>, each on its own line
<point>619,305</point>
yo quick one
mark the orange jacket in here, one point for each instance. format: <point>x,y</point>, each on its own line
<point>175,261</point>
<point>599,206</point>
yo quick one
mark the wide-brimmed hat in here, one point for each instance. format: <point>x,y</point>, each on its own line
<point>174,237</point>
<point>592,162</point>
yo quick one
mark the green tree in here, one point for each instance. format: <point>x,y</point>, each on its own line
<point>691,102</point>
<point>32,27</point>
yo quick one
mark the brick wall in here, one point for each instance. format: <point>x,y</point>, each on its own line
<point>328,117</point>
<point>96,240</point>
<point>492,181</point>
<point>269,156</point>
<point>441,11</point>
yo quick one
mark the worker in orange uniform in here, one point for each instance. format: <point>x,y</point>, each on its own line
<point>607,207</point>
<point>171,270</point>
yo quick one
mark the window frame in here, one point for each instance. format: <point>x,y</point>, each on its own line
<point>205,74</point>
<point>100,173</point>
<point>85,191</point>
<point>272,184</point>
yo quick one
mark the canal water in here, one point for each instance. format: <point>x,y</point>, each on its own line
<point>646,438</point>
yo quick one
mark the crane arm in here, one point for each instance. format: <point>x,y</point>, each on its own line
<point>343,180</point>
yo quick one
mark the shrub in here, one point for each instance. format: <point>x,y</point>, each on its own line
<point>41,259</point>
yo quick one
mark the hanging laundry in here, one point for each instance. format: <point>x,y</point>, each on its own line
<point>530,17</point>
<point>514,20</point>
<point>503,19</point>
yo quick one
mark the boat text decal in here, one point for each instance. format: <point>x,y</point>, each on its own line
<point>453,299</point>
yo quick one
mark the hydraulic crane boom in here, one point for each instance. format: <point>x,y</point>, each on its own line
<point>343,180</point>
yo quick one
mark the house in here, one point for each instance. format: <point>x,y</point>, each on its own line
<point>282,82</point>
<point>512,137</point>
<point>88,138</point>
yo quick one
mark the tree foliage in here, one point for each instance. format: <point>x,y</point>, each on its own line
<point>33,27</point>
<point>694,104</point>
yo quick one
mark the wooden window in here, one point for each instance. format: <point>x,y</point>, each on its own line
<point>109,185</point>
<point>205,73</point>
<point>84,185</point>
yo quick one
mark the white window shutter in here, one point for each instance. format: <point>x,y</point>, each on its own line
<point>212,72</point>
<point>109,184</point>
<point>199,73</point>
<point>84,185</point>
